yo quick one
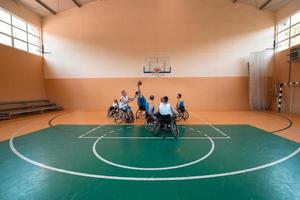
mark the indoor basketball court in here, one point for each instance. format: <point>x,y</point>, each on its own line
<point>138,99</point>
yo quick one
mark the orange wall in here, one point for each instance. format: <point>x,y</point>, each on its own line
<point>282,67</point>
<point>21,75</point>
<point>203,38</point>
<point>99,49</point>
<point>218,93</point>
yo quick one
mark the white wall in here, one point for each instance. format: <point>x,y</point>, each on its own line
<point>204,38</point>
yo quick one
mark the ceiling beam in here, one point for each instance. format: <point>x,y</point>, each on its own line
<point>46,6</point>
<point>234,1</point>
<point>77,3</point>
<point>265,4</point>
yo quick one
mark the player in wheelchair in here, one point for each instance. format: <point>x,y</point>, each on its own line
<point>124,113</point>
<point>113,109</point>
<point>163,120</point>
<point>180,108</point>
<point>141,102</point>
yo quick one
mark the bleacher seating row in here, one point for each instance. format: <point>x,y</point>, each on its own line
<point>13,109</point>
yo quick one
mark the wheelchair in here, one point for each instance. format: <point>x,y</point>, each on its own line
<point>140,113</point>
<point>112,112</point>
<point>124,116</point>
<point>166,124</point>
<point>182,114</point>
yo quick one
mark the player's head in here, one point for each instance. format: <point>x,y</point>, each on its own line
<point>124,93</point>
<point>179,96</point>
<point>115,101</point>
<point>151,97</point>
<point>166,99</point>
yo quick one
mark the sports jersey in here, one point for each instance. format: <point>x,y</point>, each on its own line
<point>123,102</point>
<point>165,109</point>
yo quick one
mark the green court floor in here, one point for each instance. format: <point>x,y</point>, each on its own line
<point>127,162</point>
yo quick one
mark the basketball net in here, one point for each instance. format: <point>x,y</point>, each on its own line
<point>156,71</point>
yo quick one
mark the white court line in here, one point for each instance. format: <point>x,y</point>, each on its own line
<point>124,178</point>
<point>153,168</point>
<point>82,136</point>
<point>211,126</point>
<point>155,138</point>
<point>99,176</point>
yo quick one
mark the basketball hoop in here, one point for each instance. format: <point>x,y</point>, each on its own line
<point>156,71</point>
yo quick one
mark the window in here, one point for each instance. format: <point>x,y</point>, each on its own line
<point>295,40</point>
<point>18,33</point>
<point>288,32</point>
<point>296,18</point>
<point>283,35</point>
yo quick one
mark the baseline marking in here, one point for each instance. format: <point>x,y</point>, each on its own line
<point>154,138</point>
<point>153,168</point>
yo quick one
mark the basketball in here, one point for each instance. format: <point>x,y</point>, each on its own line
<point>140,82</point>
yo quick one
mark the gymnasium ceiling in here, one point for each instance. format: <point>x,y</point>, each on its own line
<point>50,7</point>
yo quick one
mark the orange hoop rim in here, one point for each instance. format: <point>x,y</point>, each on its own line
<point>156,69</point>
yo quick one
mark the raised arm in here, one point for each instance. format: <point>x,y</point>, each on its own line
<point>131,99</point>
<point>139,88</point>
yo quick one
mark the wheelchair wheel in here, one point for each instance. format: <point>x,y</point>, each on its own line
<point>174,129</point>
<point>110,113</point>
<point>185,115</point>
<point>151,124</point>
<point>140,114</point>
<point>119,116</point>
<point>157,128</point>
<point>178,117</point>
<point>130,117</point>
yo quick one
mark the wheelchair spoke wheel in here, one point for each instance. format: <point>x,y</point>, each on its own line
<point>178,117</point>
<point>118,117</point>
<point>140,114</point>
<point>185,115</point>
<point>156,128</point>
<point>110,113</point>
<point>130,117</point>
<point>152,124</point>
<point>137,114</point>
<point>174,129</point>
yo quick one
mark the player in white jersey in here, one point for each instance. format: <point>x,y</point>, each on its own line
<point>165,109</point>
<point>124,100</point>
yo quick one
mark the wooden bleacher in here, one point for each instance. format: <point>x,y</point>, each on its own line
<point>13,109</point>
